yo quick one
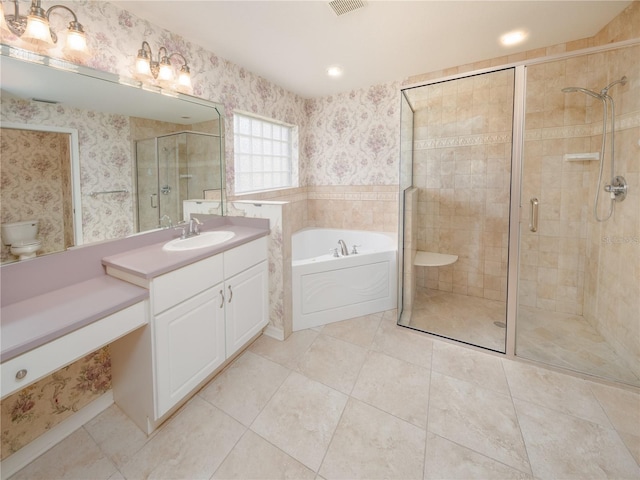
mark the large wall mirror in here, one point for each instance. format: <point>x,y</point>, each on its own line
<point>92,156</point>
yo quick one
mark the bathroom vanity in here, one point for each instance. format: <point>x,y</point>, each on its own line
<point>173,319</point>
<point>201,315</point>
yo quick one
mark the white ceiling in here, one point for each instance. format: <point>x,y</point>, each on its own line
<point>291,43</point>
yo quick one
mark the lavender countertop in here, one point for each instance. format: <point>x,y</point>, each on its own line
<point>48,297</point>
<point>151,261</point>
<point>31,323</point>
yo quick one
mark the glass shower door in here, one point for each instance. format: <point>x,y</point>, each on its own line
<point>579,280</point>
<point>147,185</point>
<point>462,144</point>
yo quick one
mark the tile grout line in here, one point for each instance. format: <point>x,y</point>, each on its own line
<point>515,411</point>
<point>426,432</point>
<point>612,425</point>
<point>349,397</point>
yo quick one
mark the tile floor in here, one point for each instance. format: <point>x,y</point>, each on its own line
<point>365,398</point>
<point>569,341</point>
<point>462,317</point>
<point>553,338</point>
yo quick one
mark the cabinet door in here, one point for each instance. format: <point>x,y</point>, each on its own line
<point>247,307</point>
<point>190,345</point>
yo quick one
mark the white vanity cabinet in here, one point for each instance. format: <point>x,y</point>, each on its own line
<point>246,293</point>
<point>189,329</point>
<point>201,314</point>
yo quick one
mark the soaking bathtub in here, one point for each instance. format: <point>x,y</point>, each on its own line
<point>328,289</point>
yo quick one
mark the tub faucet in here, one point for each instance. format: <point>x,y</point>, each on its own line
<point>343,247</point>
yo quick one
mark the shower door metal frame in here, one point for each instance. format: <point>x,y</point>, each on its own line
<point>515,209</point>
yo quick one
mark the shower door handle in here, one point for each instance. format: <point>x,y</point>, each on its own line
<point>533,215</point>
<point>152,196</point>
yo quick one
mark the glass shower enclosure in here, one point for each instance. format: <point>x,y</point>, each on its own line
<point>529,179</point>
<point>171,169</point>
<point>459,229</point>
<point>579,266</point>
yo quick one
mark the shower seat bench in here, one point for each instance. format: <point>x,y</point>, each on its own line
<point>432,259</point>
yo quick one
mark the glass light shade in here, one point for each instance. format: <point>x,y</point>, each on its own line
<point>143,67</point>
<point>184,80</point>
<point>4,27</point>
<point>165,74</point>
<point>37,31</point>
<point>76,41</point>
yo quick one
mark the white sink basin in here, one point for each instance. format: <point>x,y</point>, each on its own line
<point>205,239</point>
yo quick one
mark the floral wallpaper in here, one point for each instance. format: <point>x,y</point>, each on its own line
<point>353,138</point>
<point>33,410</point>
<point>35,177</point>
<point>105,162</point>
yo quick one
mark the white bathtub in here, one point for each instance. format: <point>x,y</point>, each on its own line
<point>328,289</point>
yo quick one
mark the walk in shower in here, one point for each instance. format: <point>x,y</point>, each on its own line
<point>173,168</point>
<point>525,182</point>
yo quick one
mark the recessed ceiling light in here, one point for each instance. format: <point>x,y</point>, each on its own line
<point>513,38</point>
<point>334,71</point>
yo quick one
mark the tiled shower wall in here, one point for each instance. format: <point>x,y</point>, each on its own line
<point>462,157</point>
<point>612,271</point>
<point>574,264</point>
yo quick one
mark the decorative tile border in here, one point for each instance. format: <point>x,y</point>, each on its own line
<point>623,122</point>
<point>463,141</point>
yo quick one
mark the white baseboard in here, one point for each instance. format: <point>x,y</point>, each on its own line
<point>44,442</point>
<point>273,332</point>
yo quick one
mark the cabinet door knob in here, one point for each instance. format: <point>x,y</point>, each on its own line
<point>222,298</point>
<point>21,374</point>
<point>230,294</point>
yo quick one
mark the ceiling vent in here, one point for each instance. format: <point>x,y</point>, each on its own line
<point>340,7</point>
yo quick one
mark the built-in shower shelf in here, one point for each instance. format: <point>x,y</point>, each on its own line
<point>581,157</point>
<point>433,259</point>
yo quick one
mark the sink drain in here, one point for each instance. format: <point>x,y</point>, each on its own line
<point>500,324</point>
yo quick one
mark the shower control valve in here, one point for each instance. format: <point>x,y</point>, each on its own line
<point>617,189</point>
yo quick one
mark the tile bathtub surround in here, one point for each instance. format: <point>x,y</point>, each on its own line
<point>356,207</point>
<point>273,413</point>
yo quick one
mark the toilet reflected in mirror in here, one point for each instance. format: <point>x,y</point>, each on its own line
<point>22,238</point>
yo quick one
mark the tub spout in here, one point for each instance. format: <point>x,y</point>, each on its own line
<point>343,248</point>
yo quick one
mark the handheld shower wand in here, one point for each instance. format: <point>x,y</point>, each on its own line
<point>618,187</point>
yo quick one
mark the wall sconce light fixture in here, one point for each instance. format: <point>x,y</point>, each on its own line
<point>35,28</point>
<point>162,69</point>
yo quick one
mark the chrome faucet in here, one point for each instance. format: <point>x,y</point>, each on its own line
<point>194,227</point>
<point>190,230</point>
<point>343,248</point>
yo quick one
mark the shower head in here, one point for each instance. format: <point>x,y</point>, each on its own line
<point>605,90</point>
<point>582,90</point>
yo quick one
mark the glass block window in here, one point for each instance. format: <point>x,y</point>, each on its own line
<point>264,156</point>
